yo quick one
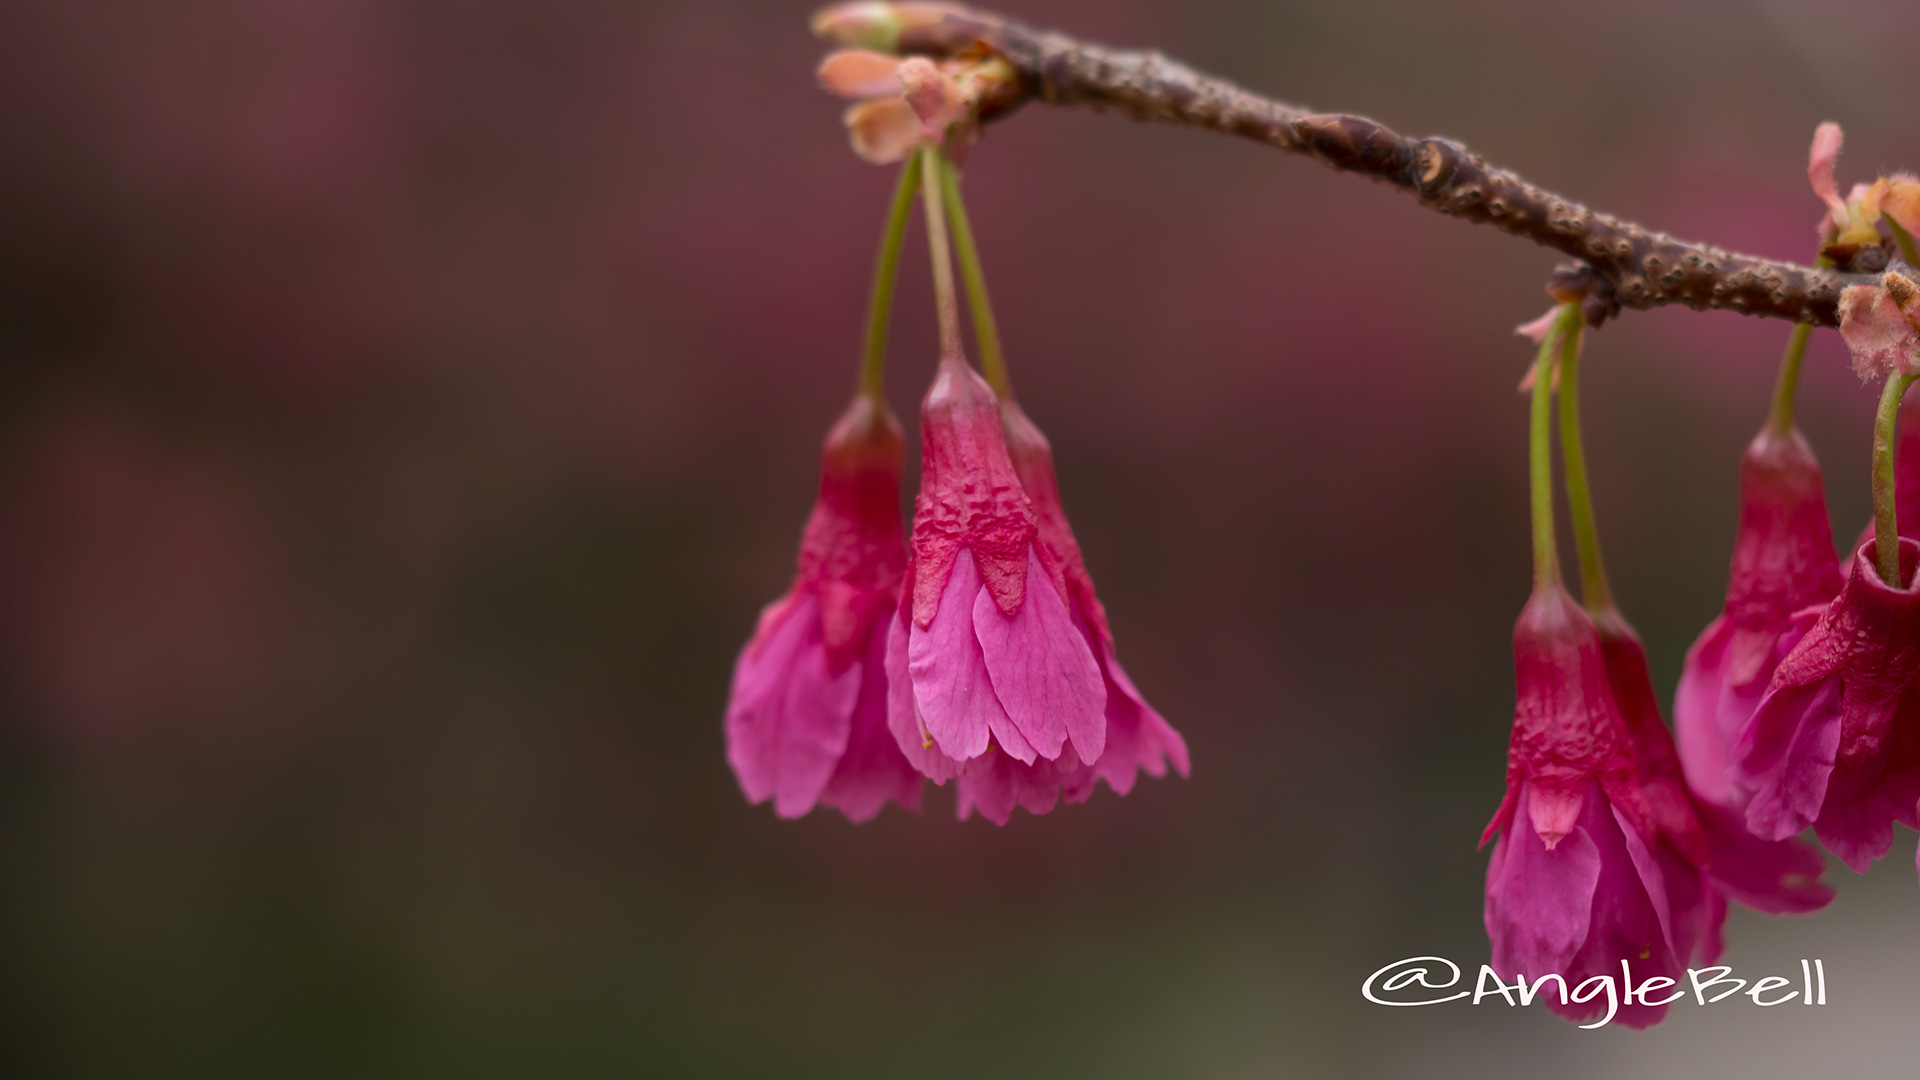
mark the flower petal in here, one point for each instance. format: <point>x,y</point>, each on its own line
<point>1786,754</point>
<point>1703,747</point>
<point>1044,675</point>
<point>1821,158</point>
<point>1539,901</point>
<point>872,770</point>
<point>950,682</point>
<point>908,727</point>
<point>792,719</point>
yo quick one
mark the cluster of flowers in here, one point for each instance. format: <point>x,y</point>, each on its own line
<point>1798,706</point>
<point>976,650</point>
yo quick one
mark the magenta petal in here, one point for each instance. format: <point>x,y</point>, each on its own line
<point>1539,902</point>
<point>988,785</point>
<point>872,770</point>
<point>1157,737</point>
<point>950,682</point>
<point>1043,672</point>
<point>1786,755</point>
<point>904,721</point>
<point>1652,882</point>
<point>1774,876</point>
<point>1696,711</point>
<point>788,720</point>
<point>1861,805</point>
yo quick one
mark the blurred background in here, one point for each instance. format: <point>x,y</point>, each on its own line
<point>406,408</point>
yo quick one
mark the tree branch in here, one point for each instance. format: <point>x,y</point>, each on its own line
<point>1630,265</point>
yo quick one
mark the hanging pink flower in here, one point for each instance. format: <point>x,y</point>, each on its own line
<point>1782,562</point>
<point>807,720</point>
<point>1137,736</point>
<point>1705,852</point>
<point>1573,887</point>
<point>1835,743</point>
<point>984,658</point>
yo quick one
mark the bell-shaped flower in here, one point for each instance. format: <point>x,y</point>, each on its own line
<point>1783,562</point>
<point>983,655</point>
<point>1574,888</point>
<point>1704,850</point>
<point>807,719</point>
<point>1835,743</point>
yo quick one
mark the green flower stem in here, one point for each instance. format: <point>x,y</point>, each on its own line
<point>873,368</point>
<point>1886,517</point>
<point>1787,383</point>
<point>986,332</point>
<point>1546,562</point>
<point>1594,591</point>
<point>945,301</point>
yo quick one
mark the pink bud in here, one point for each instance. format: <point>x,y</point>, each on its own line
<point>860,73</point>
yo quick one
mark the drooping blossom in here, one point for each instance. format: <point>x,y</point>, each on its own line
<point>1704,850</point>
<point>1835,743</point>
<point>807,718</point>
<point>1573,887</point>
<point>1783,562</point>
<point>1137,736</point>
<point>983,655</point>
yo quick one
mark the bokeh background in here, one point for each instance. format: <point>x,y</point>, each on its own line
<point>405,409</point>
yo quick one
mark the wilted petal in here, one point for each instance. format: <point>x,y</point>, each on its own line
<point>1877,333</point>
<point>1820,162</point>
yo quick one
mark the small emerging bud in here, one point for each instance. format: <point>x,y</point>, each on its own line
<point>862,25</point>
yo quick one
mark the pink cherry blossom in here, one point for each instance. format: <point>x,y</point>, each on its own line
<point>1574,886</point>
<point>984,656</point>
<point>1835,743</point>
<point>807,719</point>
<point>1704,850</point>
<point>1782,562</point>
